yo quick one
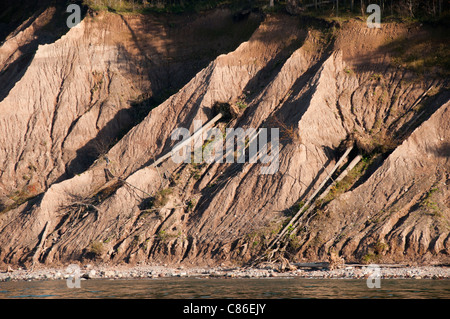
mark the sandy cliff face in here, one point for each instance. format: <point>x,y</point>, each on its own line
<point>400,213</point>
<point>105,200</point>
<point>78,94</point>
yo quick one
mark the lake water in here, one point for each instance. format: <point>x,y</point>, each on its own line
<point>242,288</point>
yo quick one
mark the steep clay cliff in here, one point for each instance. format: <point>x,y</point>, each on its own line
<point>66,136</point>
<point>81,92</point>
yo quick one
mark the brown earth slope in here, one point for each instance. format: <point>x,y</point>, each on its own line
<point>82,92</point>
<point>323,87</point>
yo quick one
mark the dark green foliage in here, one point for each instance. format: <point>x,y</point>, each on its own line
<point>162,6</point>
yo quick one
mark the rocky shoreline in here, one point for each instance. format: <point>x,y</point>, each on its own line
<point>147,271</point>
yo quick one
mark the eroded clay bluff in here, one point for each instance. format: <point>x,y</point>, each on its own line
<point>325,86</point>
<point>64,102</point>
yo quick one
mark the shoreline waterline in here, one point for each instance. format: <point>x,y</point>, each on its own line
<point>85,272</point>
<point>201,290</point>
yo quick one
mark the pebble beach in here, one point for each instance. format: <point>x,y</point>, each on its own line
<point>87,272</point>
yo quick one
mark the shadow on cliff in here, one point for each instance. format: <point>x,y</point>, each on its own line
<point>53,30</point>
<point>442,151</point>
<point>99,145</point>
<point>13,13</point>
<point>186,51</point>
<point>166,66</point>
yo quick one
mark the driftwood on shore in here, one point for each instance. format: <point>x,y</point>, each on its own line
<point>327,265</point>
